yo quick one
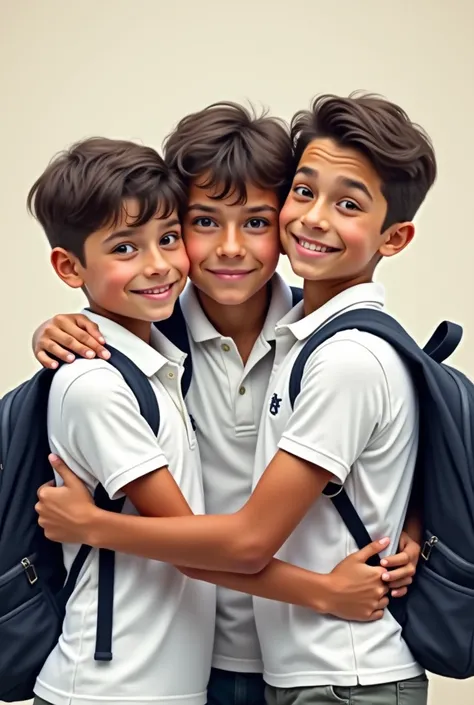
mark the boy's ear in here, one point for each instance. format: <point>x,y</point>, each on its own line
<point>396,238</point>
<point>67,267</point>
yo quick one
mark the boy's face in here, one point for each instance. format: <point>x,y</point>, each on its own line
<point>331,223</point>
<point>233,249</point>
<point>131,275</point>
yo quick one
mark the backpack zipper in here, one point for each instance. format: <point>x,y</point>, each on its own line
<point>428,547</point>
<point>30,570</point>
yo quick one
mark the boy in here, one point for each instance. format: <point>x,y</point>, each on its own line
<point>110,212</point>
<point>236,169</point>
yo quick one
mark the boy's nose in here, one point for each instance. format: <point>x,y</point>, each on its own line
<point>231,244</point>
<point>316,218</point>
<point>156,264</point>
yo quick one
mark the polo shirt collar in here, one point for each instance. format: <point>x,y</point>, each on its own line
<point>281,302</point>
<point>199,325</point>
<point>146,357</point>
<point>370,295</point>
<point>201,328</point>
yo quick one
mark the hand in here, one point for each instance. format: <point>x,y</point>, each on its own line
<point>66,334</point>
<point>65,512</point>
<point>356,591</point>
<point>401,567</point>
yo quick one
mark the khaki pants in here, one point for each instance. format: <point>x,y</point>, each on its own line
<point>410,692</point>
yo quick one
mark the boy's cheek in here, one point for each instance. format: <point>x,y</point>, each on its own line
<point>270,251</point>
<point>181,261</point>
<point>287,214</point>
<point>195,252</point>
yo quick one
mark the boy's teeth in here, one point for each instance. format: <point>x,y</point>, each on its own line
<point>313,247</point>
<point>161,290</point>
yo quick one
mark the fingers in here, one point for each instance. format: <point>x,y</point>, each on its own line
<point>70,340</point>
<point>403,582</point>
<point>69,478</point>
<point>49,346</point>
<point>40,492</point>
<point>45,360</point>
<point>396,560</point>
<point>372,549</point>
<point>404,574</point>
<point>383,603</point>
<point>90,327</point>
<point>378,614</point>
<point>88,335</point>
<point>399,593</point>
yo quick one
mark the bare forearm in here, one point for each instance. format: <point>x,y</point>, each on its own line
<point>278,581</point>
<point>219,542</point>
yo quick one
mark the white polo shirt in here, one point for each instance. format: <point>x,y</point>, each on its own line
<point>226,400</point>
<point>163,626</point>
<point>357,417</point>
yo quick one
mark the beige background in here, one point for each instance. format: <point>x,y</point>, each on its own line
<point>130,69</point>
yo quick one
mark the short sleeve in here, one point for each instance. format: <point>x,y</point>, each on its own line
<point>341,407</point>
<point>98,427</point>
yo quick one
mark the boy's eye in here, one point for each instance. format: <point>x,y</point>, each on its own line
<point>255,223</point>
<point>348,205</point>
<point>169,239</point>
<point>303,191</point>
<point>124,249</point>
<point>204,222</point>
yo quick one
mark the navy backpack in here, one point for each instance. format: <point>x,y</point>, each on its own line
<point>34,588</point>
<point>437,615</point>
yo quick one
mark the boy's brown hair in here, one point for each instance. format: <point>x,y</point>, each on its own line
<point>399,150</point>
<point>226,146</point>
<point>83,190</point>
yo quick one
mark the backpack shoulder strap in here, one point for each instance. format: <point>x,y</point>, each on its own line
<point>175,329</point>
<point>149,409</point>
<point>296,295</point>
<point>140,386</point>
<point>442,343</point>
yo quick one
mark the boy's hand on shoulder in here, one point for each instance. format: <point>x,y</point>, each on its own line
<point>355,590</point>
<point>65,336</point>
<point>401,567</point>
<point>65,512</point>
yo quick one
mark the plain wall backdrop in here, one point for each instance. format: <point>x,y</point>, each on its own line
<point>130,70</point>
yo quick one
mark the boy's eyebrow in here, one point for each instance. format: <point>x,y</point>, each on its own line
<point>343,180</point>
<point>264,208</point>
<point>354,183</point>
<point>201,207</point>
<point>130,231</point>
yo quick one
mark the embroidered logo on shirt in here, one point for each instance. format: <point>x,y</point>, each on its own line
<point>275,404</point>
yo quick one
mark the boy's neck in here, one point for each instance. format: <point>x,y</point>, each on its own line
<point>317,293</point>
<point>142,329</point>
<point>242,322</point>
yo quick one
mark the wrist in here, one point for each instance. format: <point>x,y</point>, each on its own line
<point>91,528</point>
<point>321,593</point>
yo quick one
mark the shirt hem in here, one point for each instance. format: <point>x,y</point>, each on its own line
<point>343,678</point>
<point>235,665</point>
<point>59,697</point>
<point>114,484</point>
<point>326,462</point>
